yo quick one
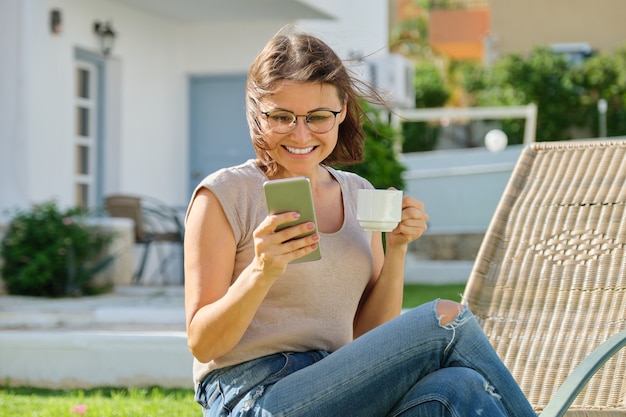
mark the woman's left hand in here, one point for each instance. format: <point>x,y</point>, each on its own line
<point>413,223</point>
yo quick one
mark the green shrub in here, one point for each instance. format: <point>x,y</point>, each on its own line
<point>603,76</point>
<point>430,91</point>
<point>380,166</point>
<point>471,77</point>
<point>53,253</point>
<point>419,136</point>
<point>430,86</point>
<point>542,78</point>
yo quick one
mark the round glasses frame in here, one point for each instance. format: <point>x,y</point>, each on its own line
<point>285,121</point>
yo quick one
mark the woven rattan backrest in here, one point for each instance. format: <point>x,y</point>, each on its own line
<point>549,282</point>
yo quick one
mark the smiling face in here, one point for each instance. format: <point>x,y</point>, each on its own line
<point>300,151</point>
<point>298,73</point>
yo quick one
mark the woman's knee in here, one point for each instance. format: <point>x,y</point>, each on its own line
<point>451,391</point>
<point>447,381</point>
<point>466,386</point>
<point>448,310</point>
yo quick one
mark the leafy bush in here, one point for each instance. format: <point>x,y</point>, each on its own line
<point>543,79</point>
<point>53,253</point>
<point>603,76</point>
<point>566,96</point>
<point>471,77</point>
<point>380,166</point>
<point>430,91</point>
<point>430,86</point>
<point>419,136</point>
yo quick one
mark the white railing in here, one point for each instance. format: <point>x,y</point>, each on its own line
<point>447,114</point>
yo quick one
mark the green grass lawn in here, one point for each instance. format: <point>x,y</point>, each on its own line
<point>121,402</point>
<point>109,402</point>
<point>416,294</point>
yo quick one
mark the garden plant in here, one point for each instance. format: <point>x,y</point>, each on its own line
<point>51,252</point>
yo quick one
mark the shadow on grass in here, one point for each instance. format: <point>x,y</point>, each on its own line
<point>104,392</point>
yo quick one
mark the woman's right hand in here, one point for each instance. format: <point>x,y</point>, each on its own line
<point>275,249</point>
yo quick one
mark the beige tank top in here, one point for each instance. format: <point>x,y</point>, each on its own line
<point>312,306</point>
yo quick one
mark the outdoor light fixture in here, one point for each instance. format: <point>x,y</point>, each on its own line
<point>55,21</point>
<point>107,36</point>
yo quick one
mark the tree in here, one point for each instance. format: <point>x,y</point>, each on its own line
<point>542,79</point>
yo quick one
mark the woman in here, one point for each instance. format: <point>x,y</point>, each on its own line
<point>322,338</point>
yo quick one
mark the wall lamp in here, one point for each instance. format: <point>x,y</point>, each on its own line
<point>105,32</point>
<point>55,21</point>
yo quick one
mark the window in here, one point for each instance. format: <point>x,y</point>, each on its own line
<point>85,135</point>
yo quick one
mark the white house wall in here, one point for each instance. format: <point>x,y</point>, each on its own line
<point>224,47</point>
<point>151,109</point>
<point>361,27</point>
<point>152,106</point>
<point>150,113</point>
<point>13,148</point>
<point>147,121</point>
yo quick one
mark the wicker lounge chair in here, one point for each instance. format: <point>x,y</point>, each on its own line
<point>549,282</point>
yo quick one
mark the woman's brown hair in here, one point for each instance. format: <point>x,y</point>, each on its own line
<point>300,57</point>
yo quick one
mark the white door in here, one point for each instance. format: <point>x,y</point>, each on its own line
<point>219,134</point>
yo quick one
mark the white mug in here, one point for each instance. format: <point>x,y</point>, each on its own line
<point>379,210</point>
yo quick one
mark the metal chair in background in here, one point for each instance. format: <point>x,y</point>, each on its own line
<point>155,222</point>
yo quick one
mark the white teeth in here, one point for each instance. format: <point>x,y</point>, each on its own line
<point>299,151</point>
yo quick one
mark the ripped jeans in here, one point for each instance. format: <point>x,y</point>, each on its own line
<point>409,366</point>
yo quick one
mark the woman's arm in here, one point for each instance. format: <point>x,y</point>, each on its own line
<point>382,299</point>
<point>218,313</point>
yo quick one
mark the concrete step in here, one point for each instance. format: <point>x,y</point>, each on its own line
<point>133,337</point>
<point>65,359</point>
<point>155,308</point>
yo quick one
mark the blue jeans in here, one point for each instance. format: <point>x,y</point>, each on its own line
<point>410,366</point>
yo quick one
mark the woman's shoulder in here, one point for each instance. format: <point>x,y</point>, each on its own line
<point>242,173</point>
<point>236,186</point>
<point>238,190</point>
<point>350,179</point>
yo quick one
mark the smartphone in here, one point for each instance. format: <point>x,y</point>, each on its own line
<point>293,194</point>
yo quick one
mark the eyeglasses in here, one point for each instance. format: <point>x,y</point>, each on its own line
<point>284,121</point>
